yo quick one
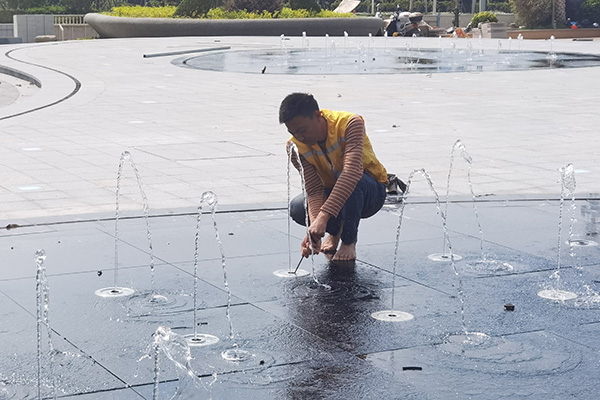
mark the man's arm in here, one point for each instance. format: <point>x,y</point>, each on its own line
<point>353,168</point>
<point>344,186</point>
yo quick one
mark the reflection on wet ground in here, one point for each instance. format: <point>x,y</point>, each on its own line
<point>313,336</point>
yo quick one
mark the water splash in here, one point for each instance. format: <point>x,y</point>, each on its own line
<point>345,40</point>
<point>117,291</point>
<point>488,264</point>
<point>292,151</point>
<point>43,307</point>
<point>568,185</point>
<point>458,145</point>
<point>211,200</point>
<point>552,56</point>
<point>197,339</point>
<point>445,227</point>
<point>177,350</point>
<point>294,158</point>
<point>283,46</point>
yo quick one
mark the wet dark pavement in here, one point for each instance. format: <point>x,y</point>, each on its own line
<point>307,341</point>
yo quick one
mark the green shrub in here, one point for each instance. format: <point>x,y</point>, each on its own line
<point>287,12</point>
<point>590,10</point>
<point>142,12</point>
<point>483,17</point>
<point>220,13</point>
<point>310,5</point>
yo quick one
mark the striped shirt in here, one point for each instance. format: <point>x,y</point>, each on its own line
<point>346,182</point>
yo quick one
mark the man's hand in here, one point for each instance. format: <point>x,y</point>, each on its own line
<point>305,247</point>
<point>316,231</point>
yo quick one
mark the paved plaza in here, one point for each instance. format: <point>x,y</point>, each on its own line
<point>190,131</point>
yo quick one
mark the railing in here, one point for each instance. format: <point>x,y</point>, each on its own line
<point>69,19</point>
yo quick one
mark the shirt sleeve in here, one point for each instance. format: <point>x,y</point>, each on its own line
<point>352,170</point>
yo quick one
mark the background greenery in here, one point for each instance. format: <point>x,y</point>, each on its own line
<point>530,13</point>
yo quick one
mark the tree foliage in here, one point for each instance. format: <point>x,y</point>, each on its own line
<point>255,6</point>
<point>310,5</point>
<point>590,10</point>
<point>194,8</point>
<point>532,13</point>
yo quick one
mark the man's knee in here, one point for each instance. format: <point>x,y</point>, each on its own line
<point>297,210</point>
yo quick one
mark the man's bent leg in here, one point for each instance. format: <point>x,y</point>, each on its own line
<point>297,210</point>
<point>298,214</point>
<point>367,198</point>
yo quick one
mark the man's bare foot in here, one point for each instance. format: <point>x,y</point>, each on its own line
<point>346,252</point>
<point>330,244</point>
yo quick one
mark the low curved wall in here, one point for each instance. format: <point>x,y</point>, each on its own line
<point>122,27</point>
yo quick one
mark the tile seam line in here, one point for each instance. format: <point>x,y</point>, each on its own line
<point>127,385</point>
<point>258,209</point>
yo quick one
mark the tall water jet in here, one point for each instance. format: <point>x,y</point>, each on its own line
<point>393,315</point>
<point>567,175</point>
<point>293,158</point>
<point>43,306</point>
<point>458,145</point>
<point>177,350</point>
<point>552,56</point>
<point>235,353</point>
<point>484,262</point>
<point>200,339</point>
<point>117,291</point>
<point>591,210</point>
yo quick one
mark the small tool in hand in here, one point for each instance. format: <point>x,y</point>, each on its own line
<point>298,266</point>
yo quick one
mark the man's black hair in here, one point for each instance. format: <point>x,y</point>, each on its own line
<point>297,105</point>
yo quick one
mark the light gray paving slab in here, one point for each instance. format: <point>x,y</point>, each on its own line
<point>192,130</point>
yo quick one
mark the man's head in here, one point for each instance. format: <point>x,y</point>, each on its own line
<point>301,115</point>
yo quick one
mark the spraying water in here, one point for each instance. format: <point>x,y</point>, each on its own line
<point>484,262</point>
<point>117,291</point>
<point>197,339</point>
<point>401,316</point>
<point>293,157</point>
<point>43,305</point>
<point>177,350</point>
<point>567,190</point>
<point>234,354</point>
<point>458,145</point>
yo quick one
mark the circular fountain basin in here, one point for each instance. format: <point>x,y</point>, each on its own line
<point>333,61</point>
